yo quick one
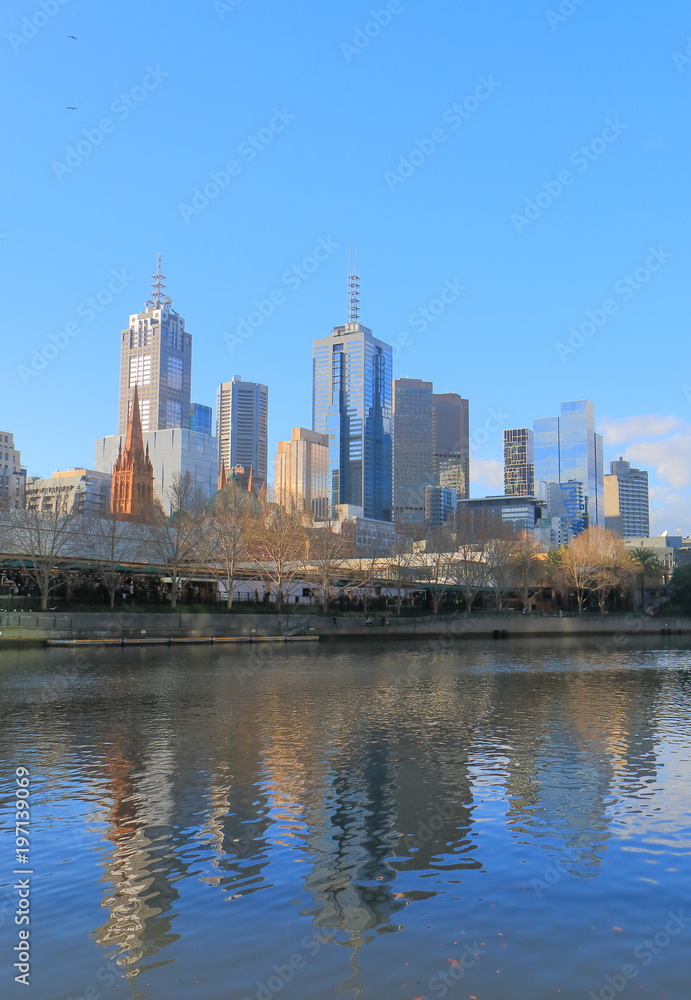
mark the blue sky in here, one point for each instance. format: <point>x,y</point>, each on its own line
<point>548,178</point>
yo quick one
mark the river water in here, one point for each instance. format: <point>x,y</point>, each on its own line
<point>506,821</point>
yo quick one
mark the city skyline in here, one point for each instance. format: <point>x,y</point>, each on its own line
<point>243,405</point>
<point>520,230</point>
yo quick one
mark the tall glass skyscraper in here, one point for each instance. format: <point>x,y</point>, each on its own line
<point>352,405</point>
<point>567,450</point>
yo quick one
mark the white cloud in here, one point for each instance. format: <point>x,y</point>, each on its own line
<point>669,458</point>
<point>617,431</point>
<point>486,476</point>
<point>669,511</point>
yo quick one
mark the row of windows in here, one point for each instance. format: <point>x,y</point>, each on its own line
<point>140,370</point>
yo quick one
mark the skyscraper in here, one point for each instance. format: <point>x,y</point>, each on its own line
<point>567,450</point>
<point>431,447</point>
<point>627,506</point>
<point>452,442</point>
<point>156,357</point>
<point>301,473</point>
<point>156,361</point>
<point>413,449</point>
<point>519,462</point>
<point>242,413</point>
<point>352,404</point>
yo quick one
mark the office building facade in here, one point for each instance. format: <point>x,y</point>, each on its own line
<point>156,358</point>
<point>519,513</point>
<point>431,447</point>
<point>627,503</point>
<point>352,405</point>
<point>519,462</point>
<point>75,491</point>
<point>301,473</point>
<point>242,414</point>
<point>201,418</point>
<point>450,419</point>
<point>440,506</point>
<point>413,449</point>
<point>568,450</point>
<point>12,475</point>
<point>173,452</point>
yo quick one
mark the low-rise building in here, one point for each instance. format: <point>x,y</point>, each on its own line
<point>518,512</point>
<point>75,491</point>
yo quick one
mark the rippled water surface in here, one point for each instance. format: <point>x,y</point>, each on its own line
<point>500,822</point>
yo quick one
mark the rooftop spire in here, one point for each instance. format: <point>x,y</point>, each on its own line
<point>353,289</point>
<point>134,442</point>
<point>158,288</point>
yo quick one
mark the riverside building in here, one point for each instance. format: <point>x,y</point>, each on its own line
<point>351,404</point>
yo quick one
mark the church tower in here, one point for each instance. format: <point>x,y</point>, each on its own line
<point>133,474</point>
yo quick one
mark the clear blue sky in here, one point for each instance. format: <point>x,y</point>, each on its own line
<point>202,78</point>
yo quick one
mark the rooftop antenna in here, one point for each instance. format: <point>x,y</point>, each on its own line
<point>158,288</point>
<point>353,289</point>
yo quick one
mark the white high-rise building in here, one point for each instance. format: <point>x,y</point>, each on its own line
<point>242,413</point>
<point>627,505</point>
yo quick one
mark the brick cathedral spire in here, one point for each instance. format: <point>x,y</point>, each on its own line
<point>133,474</point>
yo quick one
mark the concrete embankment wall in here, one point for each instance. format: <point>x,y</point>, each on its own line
<point>37,627</point>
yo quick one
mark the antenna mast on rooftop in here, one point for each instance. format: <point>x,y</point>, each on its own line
<point>353,289</point>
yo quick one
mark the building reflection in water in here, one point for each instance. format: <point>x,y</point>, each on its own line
<point>366,777</point>
<point>143,864</point>
<point>570,756</point>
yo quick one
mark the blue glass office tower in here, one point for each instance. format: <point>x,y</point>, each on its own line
<point>352,404</point>
<point>567,450</point>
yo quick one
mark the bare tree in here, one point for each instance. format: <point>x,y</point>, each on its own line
<point>176,537</point>
<point>613,563</point>
<point>500,554</point>
<point>434,564</point>
<point>41,538</point>
<point>279,540</point>
<point>401,559</point>
<point>470,566</point>
<point>225,536</point>
<point>579,564</point>
<point>526,570</point>
<point>325,561</point>
<point>109,543</point>
<point>366,568</point>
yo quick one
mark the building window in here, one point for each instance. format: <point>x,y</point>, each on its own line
<point>145,413</point>
<point>140,370</point>
<point>173,413</point>
<point>176,341</point>
<point>175,373</point>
